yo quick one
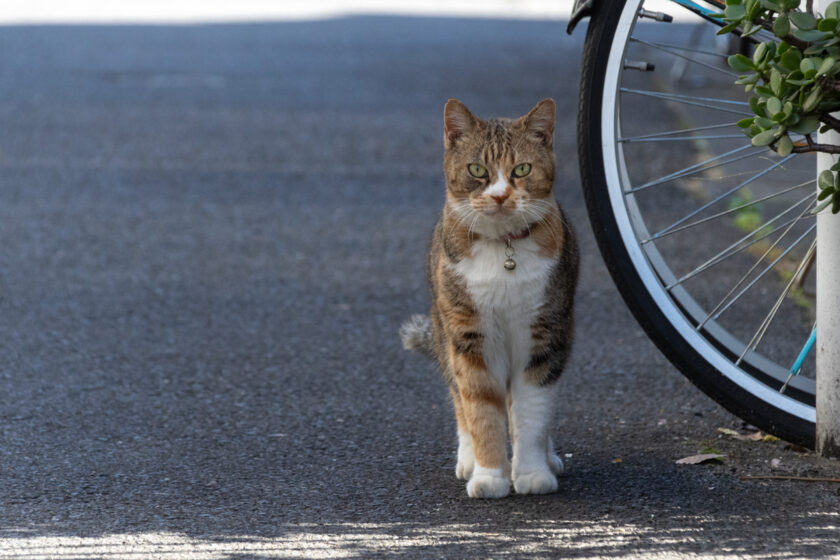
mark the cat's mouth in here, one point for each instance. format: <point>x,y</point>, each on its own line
<point>499,211</point>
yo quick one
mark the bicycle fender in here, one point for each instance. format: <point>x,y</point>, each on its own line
<point>580,10</point>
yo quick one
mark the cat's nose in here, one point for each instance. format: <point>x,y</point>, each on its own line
<point>500,198</point>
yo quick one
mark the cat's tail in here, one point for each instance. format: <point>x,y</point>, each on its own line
<point>416,334</point>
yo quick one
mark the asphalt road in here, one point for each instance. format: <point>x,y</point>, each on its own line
<point>210,236</point>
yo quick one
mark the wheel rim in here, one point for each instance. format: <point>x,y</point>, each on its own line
<point>762,371</point>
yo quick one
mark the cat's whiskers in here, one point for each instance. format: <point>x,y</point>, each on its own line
<point>540,217</point>
<point>522,215</point>
<point>549,206</point>
<point>462,212</point>
<point>473,223</point>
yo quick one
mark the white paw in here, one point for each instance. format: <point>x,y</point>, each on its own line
<point>555,463</point>
<point>466,457</point>
<point>538,482</point>
<point>464,468</point>
<point>488,484</point>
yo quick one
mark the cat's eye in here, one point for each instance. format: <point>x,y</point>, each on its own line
<point>522,170</point>
<point>477,170</point>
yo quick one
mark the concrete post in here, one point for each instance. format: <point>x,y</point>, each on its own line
<point>828,310</point>
<point>828,319</point>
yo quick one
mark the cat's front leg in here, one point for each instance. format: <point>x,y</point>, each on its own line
<point>466,453</point>
<point>482,404</point>
<point>534,463</point>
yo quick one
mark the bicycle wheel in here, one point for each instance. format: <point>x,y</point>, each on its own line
<point>708,239</point>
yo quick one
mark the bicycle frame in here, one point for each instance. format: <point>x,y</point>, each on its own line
<point>585,8</point>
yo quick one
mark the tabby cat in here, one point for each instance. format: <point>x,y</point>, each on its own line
<point>502,270</point>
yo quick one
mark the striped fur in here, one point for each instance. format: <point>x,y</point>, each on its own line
<point>501,337</point>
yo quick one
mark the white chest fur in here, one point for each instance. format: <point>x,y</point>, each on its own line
<point>507,301</point>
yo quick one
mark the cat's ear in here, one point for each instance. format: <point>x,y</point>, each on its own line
<point>457,121</point>
<point>540,121</point>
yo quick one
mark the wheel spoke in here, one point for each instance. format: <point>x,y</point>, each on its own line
<point>734,248</point>
<point>698,168</point>
<point>664,46</point>
<point>688,58</point>
<point>735,209</point>
<point>704,102</point>
<point>723,305</point>
<point>681,131</point>
<point>721,197</point>
<point>765,324</point>
<point>680,138</point>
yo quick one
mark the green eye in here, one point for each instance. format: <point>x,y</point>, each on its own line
<point>477,170</point>
<point>522,170</point>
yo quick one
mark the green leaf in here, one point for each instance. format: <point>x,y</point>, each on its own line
<point>811,101</point>
<point>755,105</point>
<point>833,11</point>
<point>826,66</point>
<point>835,167</point>
<point>808,67</point>
<point>781,27</point>
<point>732,2</point>
<point>745,123</point>
<point>802,20</point>
<point>764,122</point>
<point>806,125</point>
<point>827,24</point>
<point>776,81</point>
<point>759,54</point>
<point>764,138</point>
<point>748,79</point>
<point>750,29</point>
<point>728,28</point>
<point>835,204</point>
<point>737,12</point>
<point>784,147</point>
<point>826,192</point>
<point>764,91</point>
<point>809,36</point>
<point>770,5</point>
<point>816,48</point>
<point>774,106</point>
<point>826,179</point>
<point>740,63</point>
<point>790,59</point>
<point>782,48</point>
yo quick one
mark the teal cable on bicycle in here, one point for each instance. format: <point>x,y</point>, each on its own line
<point>797,365</point>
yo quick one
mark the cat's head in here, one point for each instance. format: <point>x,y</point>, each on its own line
<point>499,172</point>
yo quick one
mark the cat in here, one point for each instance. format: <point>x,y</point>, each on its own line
<point>502,270</point>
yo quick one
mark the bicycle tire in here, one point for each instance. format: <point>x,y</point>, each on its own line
<point>692,362</point>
